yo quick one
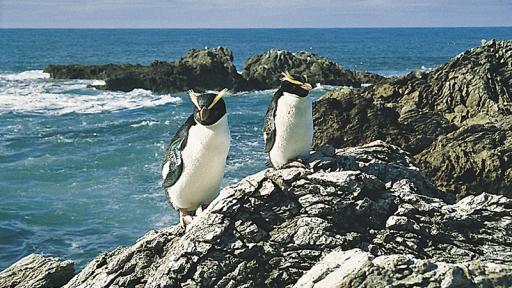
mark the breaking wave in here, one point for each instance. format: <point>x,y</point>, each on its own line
<point>33,92</point>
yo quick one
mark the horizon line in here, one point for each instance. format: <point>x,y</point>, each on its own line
<point>256,28</point>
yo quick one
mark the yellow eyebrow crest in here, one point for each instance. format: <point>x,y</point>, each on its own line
<point>288,77</point>
<point>218,97</point>
<point>193,96</point>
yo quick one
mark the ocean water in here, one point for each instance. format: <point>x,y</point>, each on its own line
<point>80,168</point>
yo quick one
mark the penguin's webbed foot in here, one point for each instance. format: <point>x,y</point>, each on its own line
<point>297,162</point>
<point>185,217</point>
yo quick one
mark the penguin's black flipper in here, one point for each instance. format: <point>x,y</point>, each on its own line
<point>269,126</point>
<point>173,154</point>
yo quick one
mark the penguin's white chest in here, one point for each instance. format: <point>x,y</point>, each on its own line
<point>204,160</point>
<point>294,129</point>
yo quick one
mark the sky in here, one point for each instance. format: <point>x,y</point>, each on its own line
<point>252,13</point>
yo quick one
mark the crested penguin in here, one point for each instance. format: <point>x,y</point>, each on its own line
<point>194,164</point>
<point>288,124</point>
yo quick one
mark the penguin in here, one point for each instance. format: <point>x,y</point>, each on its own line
<point>194,164</point>
<point>288,124</point>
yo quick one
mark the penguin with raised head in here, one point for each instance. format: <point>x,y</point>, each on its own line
<point>288,124</point>
<point>194,164</point>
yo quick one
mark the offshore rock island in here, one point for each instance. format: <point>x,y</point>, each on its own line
<point>409,186</point>
<point>213,69</point>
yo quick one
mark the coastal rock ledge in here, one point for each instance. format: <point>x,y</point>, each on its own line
<point>355,217</point>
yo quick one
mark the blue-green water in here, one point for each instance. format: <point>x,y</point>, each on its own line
<point>80,168</point>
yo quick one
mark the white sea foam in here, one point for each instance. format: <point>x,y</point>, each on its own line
<point>98,83</point>
<point>145,123</point>
<point>31,92</point>
<point>26,75</point>
<point>320,87</point>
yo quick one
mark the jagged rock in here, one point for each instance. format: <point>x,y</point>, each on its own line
<point>78,71</point>
<point>365,77</point>
<point>37,271</point>
<point>356,268</point>
<point>274,226</point>
<point>201,69</point>
<point>473,88</point>
<point>344,118</point>
<point>472,160</point>
<point>430,115</point>
<point>263,71</point>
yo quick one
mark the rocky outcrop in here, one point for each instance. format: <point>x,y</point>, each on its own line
<point>344,118</point>
<point>262,71</point>
<point>37,271</point>
<point>436,116</point>
<point>273,227</point>
<point>474,159</point>
<point>213,69</point>
<point>206,69</point>
<point>356,268</point>
<point>99,72</point>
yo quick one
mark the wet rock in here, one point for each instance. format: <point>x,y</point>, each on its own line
<point>37,271</point>
<point>263,71</point>
<point>274,226</point>
<point>356,268</point>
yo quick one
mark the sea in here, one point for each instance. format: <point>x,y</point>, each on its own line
<point>80,167</point>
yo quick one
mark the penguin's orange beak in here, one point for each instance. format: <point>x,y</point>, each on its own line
<point>203,113</point>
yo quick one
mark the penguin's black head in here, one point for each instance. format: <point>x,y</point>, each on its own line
<point>295,85</point>
<point>209,107</point>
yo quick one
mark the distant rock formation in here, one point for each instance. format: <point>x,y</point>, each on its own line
<point>213,69</point>
<point>206,69</point>
<point>456,119</point>
<point>273,228</point>
<point>262,71</point>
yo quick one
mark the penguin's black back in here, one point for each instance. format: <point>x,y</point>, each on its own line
<point>269,126</point>
<point>178,143</point>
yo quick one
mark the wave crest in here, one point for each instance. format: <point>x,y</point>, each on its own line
<point>32,92</point>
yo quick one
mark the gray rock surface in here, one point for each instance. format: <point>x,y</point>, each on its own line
<point>356,268</point>
<point>274,226</point>
<point>455,119</point>
<point>37,271</point>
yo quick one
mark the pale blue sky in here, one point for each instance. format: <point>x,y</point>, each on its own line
<point>252,13</point>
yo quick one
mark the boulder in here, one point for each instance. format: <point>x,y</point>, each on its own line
<point>37,271</point>
<point>356,268</point>
<point>263,71</point>
<point>275,226</point>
